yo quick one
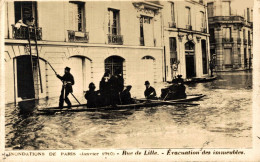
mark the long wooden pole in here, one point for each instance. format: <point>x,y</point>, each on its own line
<point>30,49</point>
<point>36,46</point>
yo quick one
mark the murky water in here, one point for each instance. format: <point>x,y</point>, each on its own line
<point>222,120</point>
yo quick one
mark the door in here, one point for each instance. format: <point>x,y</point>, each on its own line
<point>114,63</point>
<point>227,56</point>
<point>147,70</point>
<point>75,64</point>
<point>25,83</point>
<point>190,66</point>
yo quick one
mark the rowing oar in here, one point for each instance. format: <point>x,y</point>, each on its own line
<point>75,98</point>
<point>169,102</point>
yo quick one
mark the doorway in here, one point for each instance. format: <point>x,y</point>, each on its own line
<point>190,60</point>
<point>26,79</point>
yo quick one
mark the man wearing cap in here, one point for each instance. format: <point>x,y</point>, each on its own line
<point>126,96</point>
<point>149,92</point>
<point>68,81</point>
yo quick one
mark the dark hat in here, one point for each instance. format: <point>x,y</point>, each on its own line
<point>67,68</point>
<point>179,76</point>
<point>128,87</point>
<point>146,82</point>
<point>91,85</point>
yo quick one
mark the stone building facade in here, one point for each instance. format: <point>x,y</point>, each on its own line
<point>88,36</point>
<point>231,36</point>
<point>186,38</point>
<point>143,39</point>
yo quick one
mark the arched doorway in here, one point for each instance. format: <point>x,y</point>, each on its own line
<point>114,63</point>
<point>148,69</point>
<point>28,77</point>
<point>190,59</point>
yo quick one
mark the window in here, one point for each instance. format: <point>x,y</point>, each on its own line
<point>212,35</point>
<point>210,9</point>
<point>204,56</point>
<point>188,16</point>
<point>227,33</point>
<point>172,12</point>
<point>77,16</point>
<point>244,33</point>
<point>146,31</point>
<point>226,9</point>
<point>239,57</point>
<point>113,22</point>
<point>173,50</point>
<point>238,33</point>
<point>25,11</point>
<point>202,19</point>
<point>248,36</point>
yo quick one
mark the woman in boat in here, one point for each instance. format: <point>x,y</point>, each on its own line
<point>92,96</point>
<point>126,96</point>
<point>105,88</point>
<point>149,92</point>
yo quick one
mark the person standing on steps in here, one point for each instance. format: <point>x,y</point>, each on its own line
<point>67,80</point>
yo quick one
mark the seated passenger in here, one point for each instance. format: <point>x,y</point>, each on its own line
<point>149,92</point>
<point>126,96</point>
<point>92,96</point>
<point>176,90</point>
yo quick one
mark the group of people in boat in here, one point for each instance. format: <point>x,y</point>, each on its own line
<point>111,90</point>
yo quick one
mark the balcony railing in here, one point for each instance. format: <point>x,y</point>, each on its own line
<point>115,39</point>
<point>238,40</point>
<point>189,27</point>
<point>22,32</point>
<point>204,30</point>
<point>77,36</point>
<point>245,41</point>
<point>250,42</point>
<point>227,40</point>
<point>172,24</point>
<point>141,41</point>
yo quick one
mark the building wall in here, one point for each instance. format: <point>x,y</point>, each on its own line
<point>180,33</point>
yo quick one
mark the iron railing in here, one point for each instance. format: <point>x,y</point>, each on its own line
<point>189,27</point>
<point>245,41</point>
<point>22,32</point>
<point>172,24</point>
<point>77,36</point>
<point>115,39</point>
<point>227,40</point>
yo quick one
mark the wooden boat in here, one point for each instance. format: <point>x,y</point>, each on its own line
<point>142,103</point>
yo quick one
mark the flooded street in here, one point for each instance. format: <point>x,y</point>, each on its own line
<point>222,120</point>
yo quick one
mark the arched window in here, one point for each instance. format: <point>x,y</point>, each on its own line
<point>114,63</point>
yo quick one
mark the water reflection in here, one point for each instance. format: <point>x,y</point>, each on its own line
<point>223,115</point>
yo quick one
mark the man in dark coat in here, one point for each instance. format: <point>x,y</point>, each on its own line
<point>126,96</point>
<point>117,86</point>
<point>211,67</point>
<point>149,92</point>
<point>68,81</point>
<point>92,96</point>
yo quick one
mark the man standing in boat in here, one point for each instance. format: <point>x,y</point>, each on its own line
<point>105,88</point>
<point>117,86</point>
<point>68,81</point>
<point>149,92</point>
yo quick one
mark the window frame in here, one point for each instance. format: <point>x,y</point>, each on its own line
<point>111,25</point>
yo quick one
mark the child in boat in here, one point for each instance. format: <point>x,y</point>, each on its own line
<point>149,92</point>
<point>92,96</point>
<point>126,96</point>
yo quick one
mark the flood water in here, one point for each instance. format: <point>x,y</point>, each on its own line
<point>222,120</point>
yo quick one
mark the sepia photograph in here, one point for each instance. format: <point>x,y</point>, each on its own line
<point>93,74</point>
